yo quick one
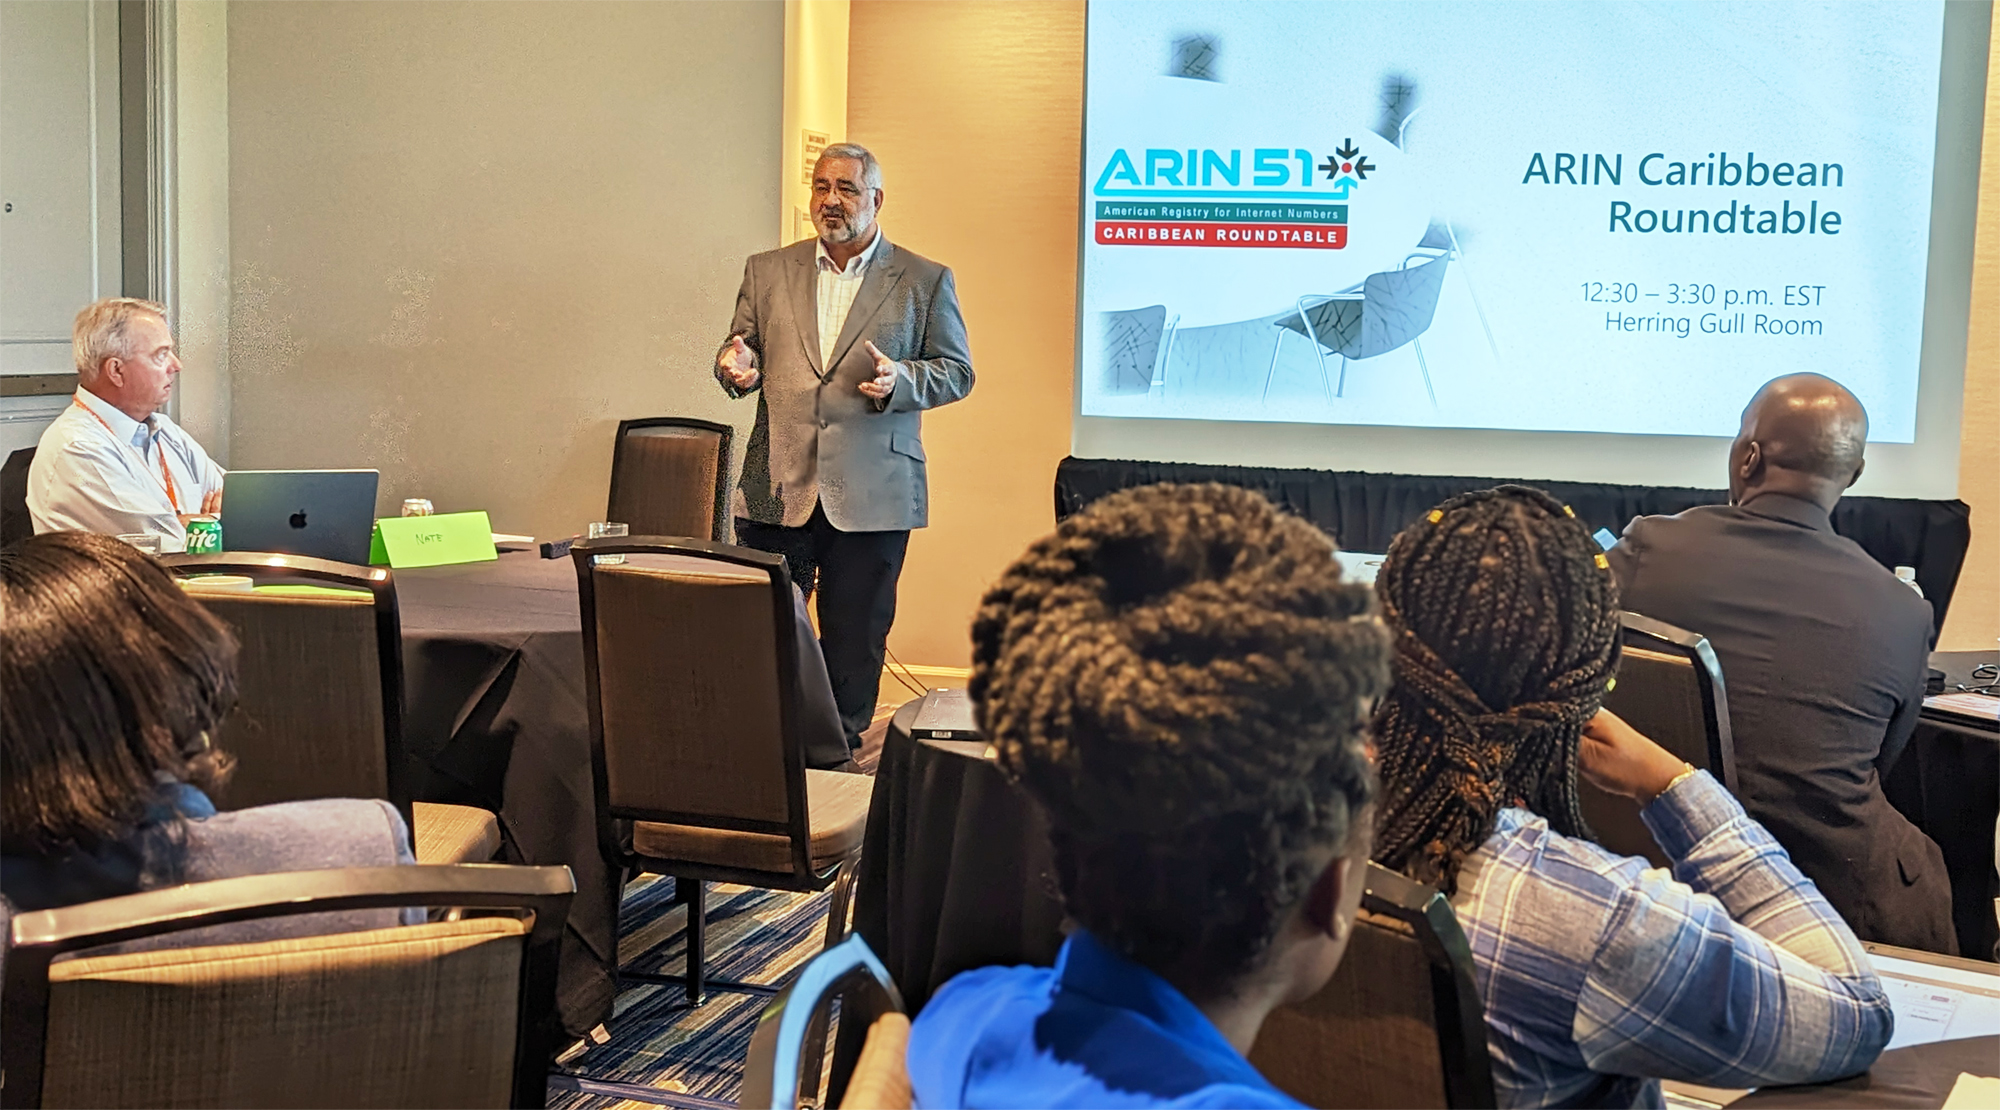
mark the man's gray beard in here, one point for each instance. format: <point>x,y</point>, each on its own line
<point>848,229</point>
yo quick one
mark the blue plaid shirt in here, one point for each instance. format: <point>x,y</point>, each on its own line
<point>1602,975</point>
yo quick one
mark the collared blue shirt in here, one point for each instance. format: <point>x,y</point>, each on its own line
<point>1097,1030</point>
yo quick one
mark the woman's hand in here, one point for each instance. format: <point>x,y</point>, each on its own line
<point>1617,759</point>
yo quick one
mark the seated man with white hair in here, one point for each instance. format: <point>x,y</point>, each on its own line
<point>111,463</point>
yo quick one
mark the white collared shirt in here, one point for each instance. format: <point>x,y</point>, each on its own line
<point>98,470</point>
<point>837,290</point>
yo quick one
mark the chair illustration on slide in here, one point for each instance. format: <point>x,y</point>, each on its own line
<point>1384,312</point>
<point>1137,344</point>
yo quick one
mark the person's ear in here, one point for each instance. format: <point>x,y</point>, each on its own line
<point>1753,461</point>
<point>1858,468</point>
<point>878,200</point>
<point>1323,901</point>
<point>112,370</point>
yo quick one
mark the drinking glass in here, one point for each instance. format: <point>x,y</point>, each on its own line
<point>604,529</point>
<point>148,542</point>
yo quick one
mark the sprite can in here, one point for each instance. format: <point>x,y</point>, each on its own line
<point>204,535</point>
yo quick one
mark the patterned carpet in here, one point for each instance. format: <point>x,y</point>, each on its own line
<point>694,1058</point>
<point>756,936</point>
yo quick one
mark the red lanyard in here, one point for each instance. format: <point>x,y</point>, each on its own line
<point>166,476</point>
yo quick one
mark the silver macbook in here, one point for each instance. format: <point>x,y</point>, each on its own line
<point>327,514</point>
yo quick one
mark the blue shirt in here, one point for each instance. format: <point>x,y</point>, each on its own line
<point>1602,975</point>
<point>1097,1030</point>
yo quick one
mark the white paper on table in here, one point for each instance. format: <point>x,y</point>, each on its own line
<point>1973,1092</point>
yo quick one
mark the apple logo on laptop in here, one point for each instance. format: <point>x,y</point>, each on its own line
<point>298,519</point>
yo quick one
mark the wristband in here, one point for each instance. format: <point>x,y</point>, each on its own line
<point>1687,771</point>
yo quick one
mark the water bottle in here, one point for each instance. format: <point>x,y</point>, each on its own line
<point>1908,577</point>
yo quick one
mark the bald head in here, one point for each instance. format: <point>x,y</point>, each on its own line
<point>1802,435</point>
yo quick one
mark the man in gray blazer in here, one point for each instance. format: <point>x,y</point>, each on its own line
<point>846,340</point>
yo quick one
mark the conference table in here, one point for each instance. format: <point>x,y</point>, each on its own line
<point>495,716</point>
<point>1947,782</point>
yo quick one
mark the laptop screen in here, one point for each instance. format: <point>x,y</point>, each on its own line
<point>1937,1001</point>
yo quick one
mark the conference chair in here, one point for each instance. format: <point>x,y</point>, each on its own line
<point>670,477</point>
<point>449,1013</point>
<point>783,1067</point>
<point>1400,1023</point>
<point>1670,688</point>
<point>691,672</point>
<point>319,680</point>
<point>15,523</point>
<point>1384,312</point>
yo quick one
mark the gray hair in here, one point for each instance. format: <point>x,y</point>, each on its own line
<point>871,170</point>
<point>100,331</point>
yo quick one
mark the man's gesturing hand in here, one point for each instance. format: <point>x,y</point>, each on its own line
<point>1618,759</point>
<point>739,363</point>
<point>884,382</point>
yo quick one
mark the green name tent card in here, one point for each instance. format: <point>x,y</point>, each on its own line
<point>432,541</point>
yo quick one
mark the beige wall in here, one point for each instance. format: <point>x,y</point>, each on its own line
<point>467,238</point>
<point>976,110</point>
<point>1974,620</point>
<point>971,79</point>
<point>201,213</point>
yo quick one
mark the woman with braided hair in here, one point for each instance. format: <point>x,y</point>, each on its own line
<point>1600,976</point>
<point>1181,680</point>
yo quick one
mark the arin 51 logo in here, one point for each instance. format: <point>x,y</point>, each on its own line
<point>1270,167</point>
<point>1204,198</point>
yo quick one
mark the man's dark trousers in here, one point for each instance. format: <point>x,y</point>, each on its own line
<point>855,574</point>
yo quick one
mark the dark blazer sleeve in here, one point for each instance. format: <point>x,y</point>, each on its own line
<point>1914,663</point>
<point>942,372</point>
<point>1625,558</point>
<point>744,324</point>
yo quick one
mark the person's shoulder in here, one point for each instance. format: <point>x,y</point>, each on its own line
<point>778,256</point>
<point>985,988</point>
<point>72,433</point>
<point>321,832</point>
<point>1697,520</point>
<point>1525,858</point>
<point>913,263</point>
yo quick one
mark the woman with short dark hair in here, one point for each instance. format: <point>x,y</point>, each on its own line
<point>1600,975</point>
<point>1180,679</point>
<point>113,686</point>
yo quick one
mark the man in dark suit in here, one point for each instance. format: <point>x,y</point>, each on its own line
<point>1823,655</point>
<point>845,339</point>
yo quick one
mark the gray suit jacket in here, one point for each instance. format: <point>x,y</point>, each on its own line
<point>818,437</point>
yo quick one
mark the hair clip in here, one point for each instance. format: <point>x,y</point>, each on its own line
<point>1611,685</point>
<point>1569,512</point>
<point>1602,562</point>
<point>1436,515</point>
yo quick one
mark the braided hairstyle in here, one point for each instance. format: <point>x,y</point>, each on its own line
<point>1180,678</point>
<point>1507,635</point>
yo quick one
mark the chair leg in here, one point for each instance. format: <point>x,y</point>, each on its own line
<point>1342,391</point>
<point>838,903</point>
<point>1276,344</point>
<point>696,928</point>
<point>1425,367</point>
<point>812,1054</point>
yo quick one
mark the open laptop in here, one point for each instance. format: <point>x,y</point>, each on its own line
<point>326,514</point>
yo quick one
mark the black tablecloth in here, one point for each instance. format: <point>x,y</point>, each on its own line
<point>1918,1076</point>
<point>495,717</point>
<point>1365,511</point>
<point>955,872</point>
<point>1947,783</point>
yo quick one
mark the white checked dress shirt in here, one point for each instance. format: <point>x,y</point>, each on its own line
<point>837,289</point>
<point>98,470</point>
